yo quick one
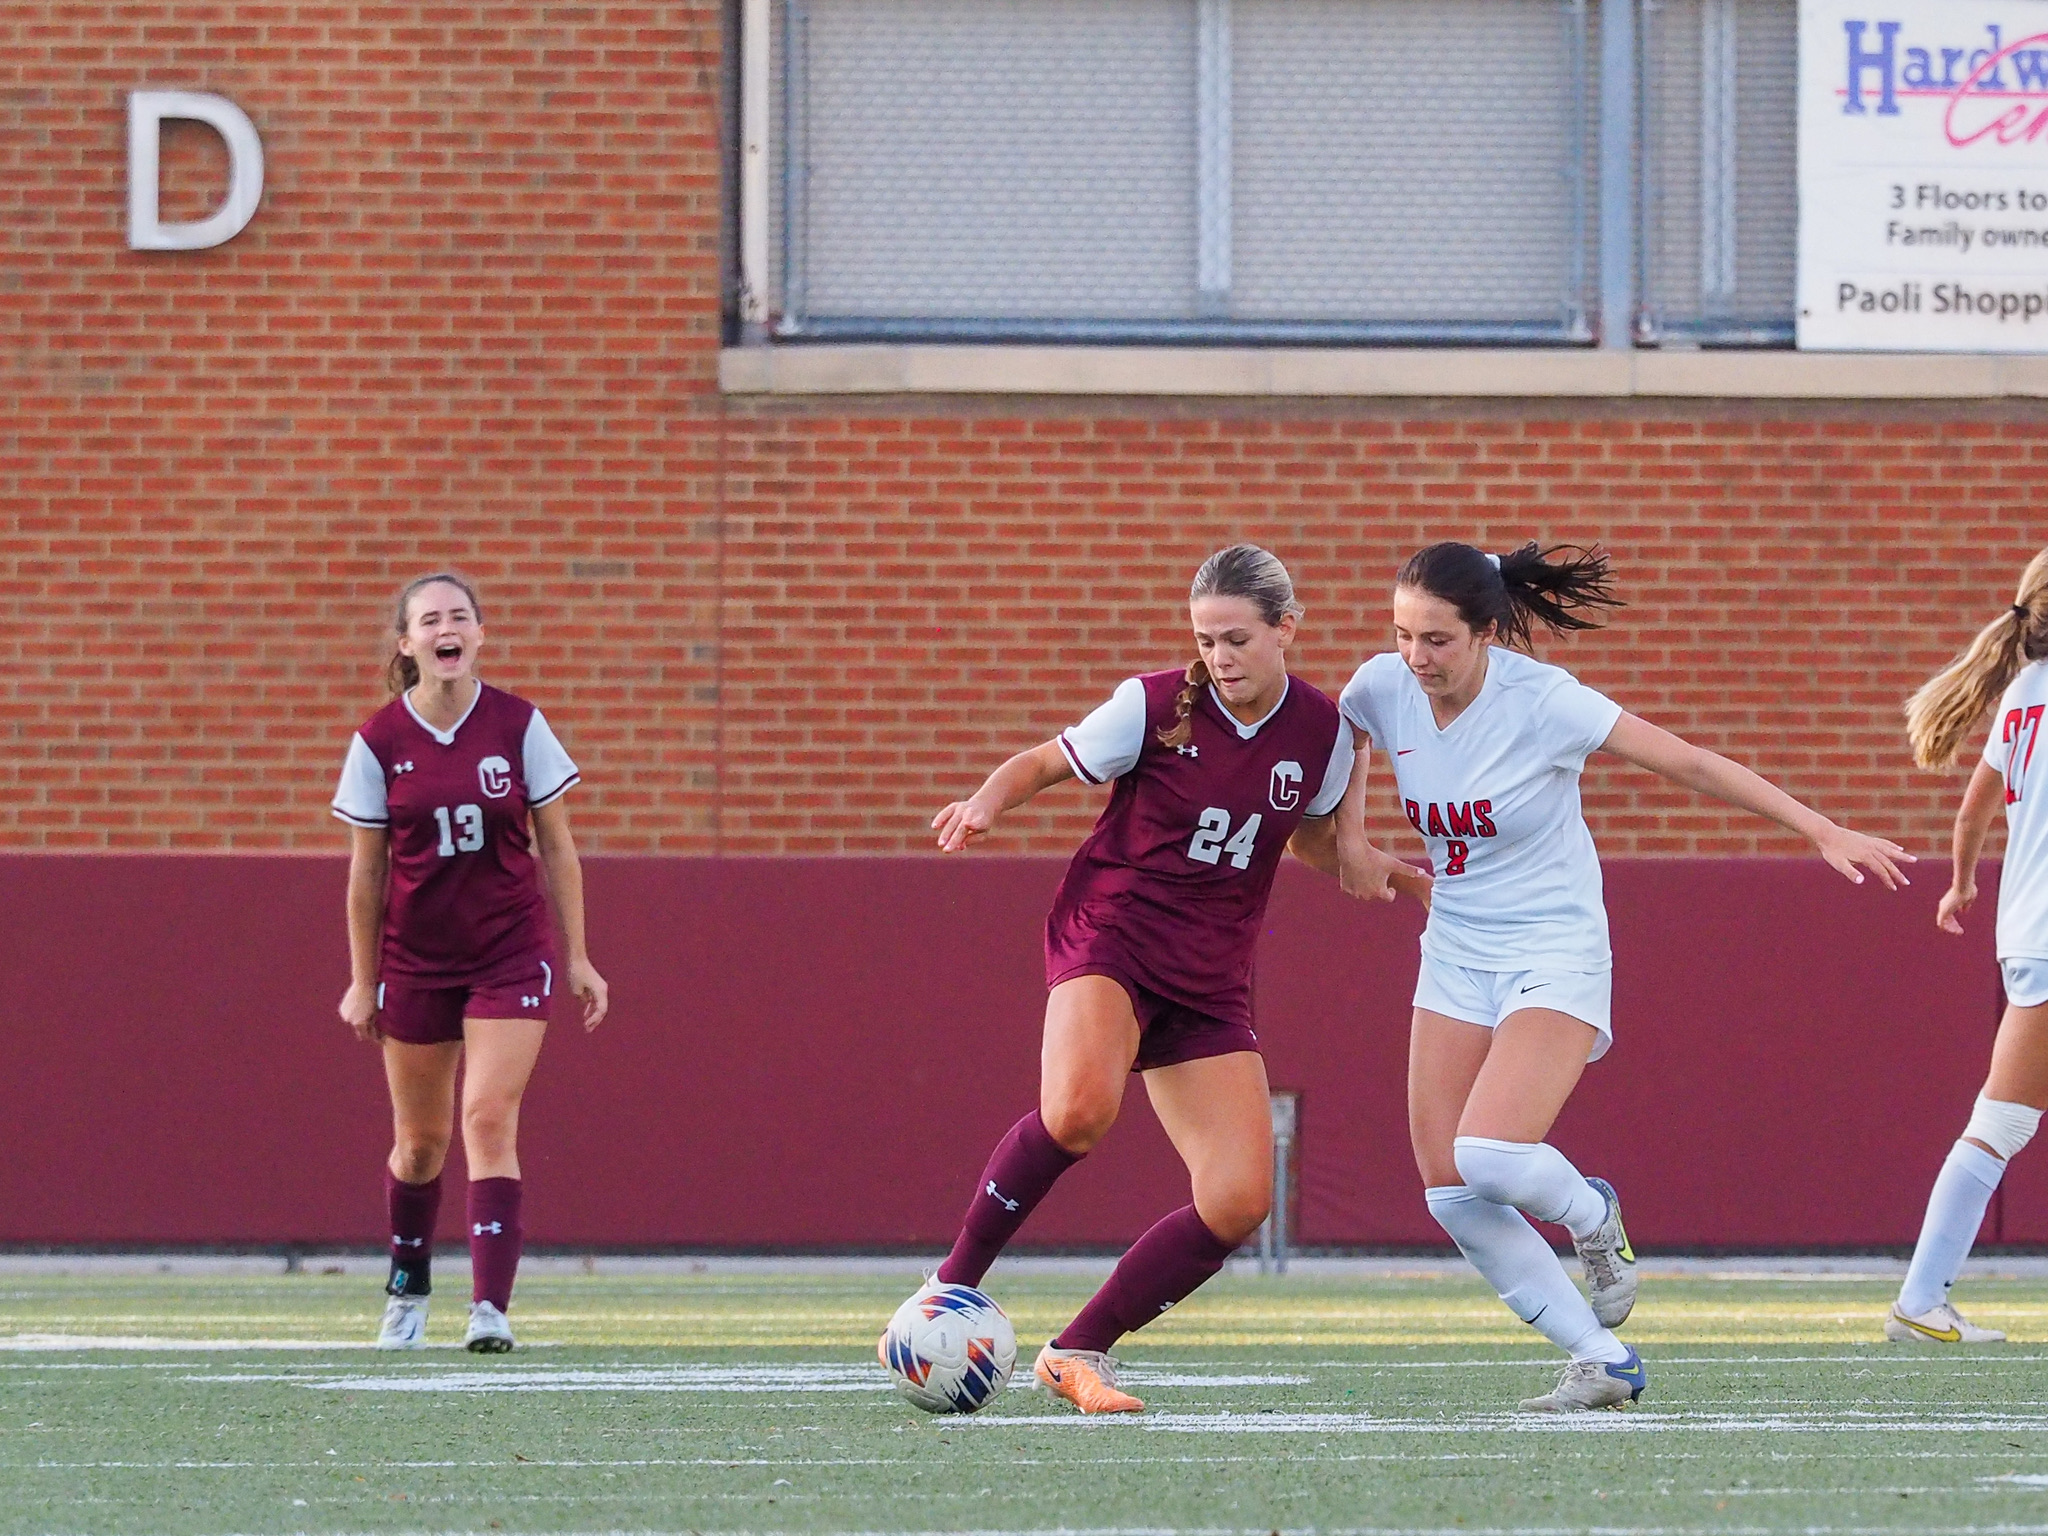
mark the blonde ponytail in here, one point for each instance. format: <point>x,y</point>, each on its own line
<point>1948,705</point>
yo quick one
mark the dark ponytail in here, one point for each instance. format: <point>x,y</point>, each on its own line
<point>402,672</point>
<point>1517,590</point>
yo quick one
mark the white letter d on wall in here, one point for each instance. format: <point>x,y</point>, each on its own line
<point>146,112</point>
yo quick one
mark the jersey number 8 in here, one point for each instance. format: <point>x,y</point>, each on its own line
<point>1213,827</point>
<point>465,834</point>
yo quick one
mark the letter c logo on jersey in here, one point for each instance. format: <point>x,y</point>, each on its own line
<point>1286,793</point>
<point>495,775</point>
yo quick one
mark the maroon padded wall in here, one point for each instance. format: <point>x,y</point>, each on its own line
<point>817,1053</point>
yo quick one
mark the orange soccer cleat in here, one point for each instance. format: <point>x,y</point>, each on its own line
<point>1086,1378</point>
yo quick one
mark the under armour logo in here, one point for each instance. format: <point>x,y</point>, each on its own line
<point>997,1196</point>
<point>1189,751</point>
<point>529,1002</point>
<point>398,768</point>
<point>408,1242</point>
<point>494,1228</point>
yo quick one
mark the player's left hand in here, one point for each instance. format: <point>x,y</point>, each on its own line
<point>1850,853</point>
<point>1368,872</point>
<point>586,984</point>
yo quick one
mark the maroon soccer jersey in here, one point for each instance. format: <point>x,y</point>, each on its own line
<point>1171,886</point>
<point>465,898</point>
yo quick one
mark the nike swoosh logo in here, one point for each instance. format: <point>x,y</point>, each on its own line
<point>1940,1335</point>
<point>1404,752</point>
<point>1534,985</point>
<point>1625,1370</point>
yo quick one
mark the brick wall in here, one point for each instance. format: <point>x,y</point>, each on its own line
<point>476,322</point>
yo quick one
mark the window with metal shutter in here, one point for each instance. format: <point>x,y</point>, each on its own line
<point>1720,196</point>
<point>1182,169</point>
<point>1417,164</point>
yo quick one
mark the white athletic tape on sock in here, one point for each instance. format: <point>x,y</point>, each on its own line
<point>2004,1128</point>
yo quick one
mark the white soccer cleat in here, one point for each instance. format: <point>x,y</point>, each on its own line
<point>1609,1264</point>
<point>488,1332</point>
<point>1938,1325</point>
<point>1590,1384</point>
<point>405,1323</point>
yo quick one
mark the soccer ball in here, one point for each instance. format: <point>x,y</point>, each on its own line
<point>950,1349</point>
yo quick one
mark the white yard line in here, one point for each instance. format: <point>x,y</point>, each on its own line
<point>723,1461</point>
<point>57,1343</point>
<point>1623,1423</point>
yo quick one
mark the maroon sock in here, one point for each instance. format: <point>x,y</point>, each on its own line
<point>413,1208</point>
<point>1024,1165</point>
<point>1162,1267</point>
<point>493,1240</point>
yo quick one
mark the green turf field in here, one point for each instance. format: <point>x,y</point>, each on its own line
<point>725,1402</point>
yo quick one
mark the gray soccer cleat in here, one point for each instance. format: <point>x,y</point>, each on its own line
<point>1589,1384</point>
<point>1937,1325</point>
<point>405,1323</point>
<point>488,1333</point>
<point>1609,1264</point>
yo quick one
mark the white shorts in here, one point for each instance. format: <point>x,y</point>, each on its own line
<point>2026,981</point>
<point>1487,997</point>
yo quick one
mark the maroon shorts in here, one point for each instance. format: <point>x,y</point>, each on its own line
<point>431,1015</point>
<point>1170,1032</point>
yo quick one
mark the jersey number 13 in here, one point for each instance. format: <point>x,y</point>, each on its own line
<point>464,833</point>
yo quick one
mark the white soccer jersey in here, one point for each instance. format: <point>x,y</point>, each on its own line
<point>1106,745</point>
<point>2014,750</point>
<point>1496,795</point>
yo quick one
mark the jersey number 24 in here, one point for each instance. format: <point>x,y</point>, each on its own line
<point>1211,830</point>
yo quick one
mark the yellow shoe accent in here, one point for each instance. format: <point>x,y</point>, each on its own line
<point>1073,1375</point>
<point>1899,1327</point>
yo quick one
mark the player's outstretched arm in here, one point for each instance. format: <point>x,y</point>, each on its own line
<point>1370,873</point>
<point>565,884</point>
<point>369,866</point>
<point>1007,788</point>
<point>1981,804</point>
<point>1849,853</point>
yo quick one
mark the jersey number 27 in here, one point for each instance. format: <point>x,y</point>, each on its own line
<point>1213,827</point>
<point>2020,724</point>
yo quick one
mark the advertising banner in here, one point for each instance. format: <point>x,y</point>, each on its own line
<point>1923,175</point>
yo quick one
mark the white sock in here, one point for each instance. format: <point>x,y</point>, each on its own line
<point>1954,1213</point>
<point>1534,1177</point>
<point>1523,1271</point>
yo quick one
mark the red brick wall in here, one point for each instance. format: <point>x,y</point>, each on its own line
<point>476,321</point>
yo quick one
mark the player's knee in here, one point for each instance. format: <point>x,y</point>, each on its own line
<point>2003,1128</point>
<point>489,1126</point>
<point>417,1159</point>
<point>1435,1162</point>
<point>1235,1213</point>
<point>1493,1170</point>
<point>1078,1119</point>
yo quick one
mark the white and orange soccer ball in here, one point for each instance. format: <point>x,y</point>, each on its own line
<point>949,1349</point>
